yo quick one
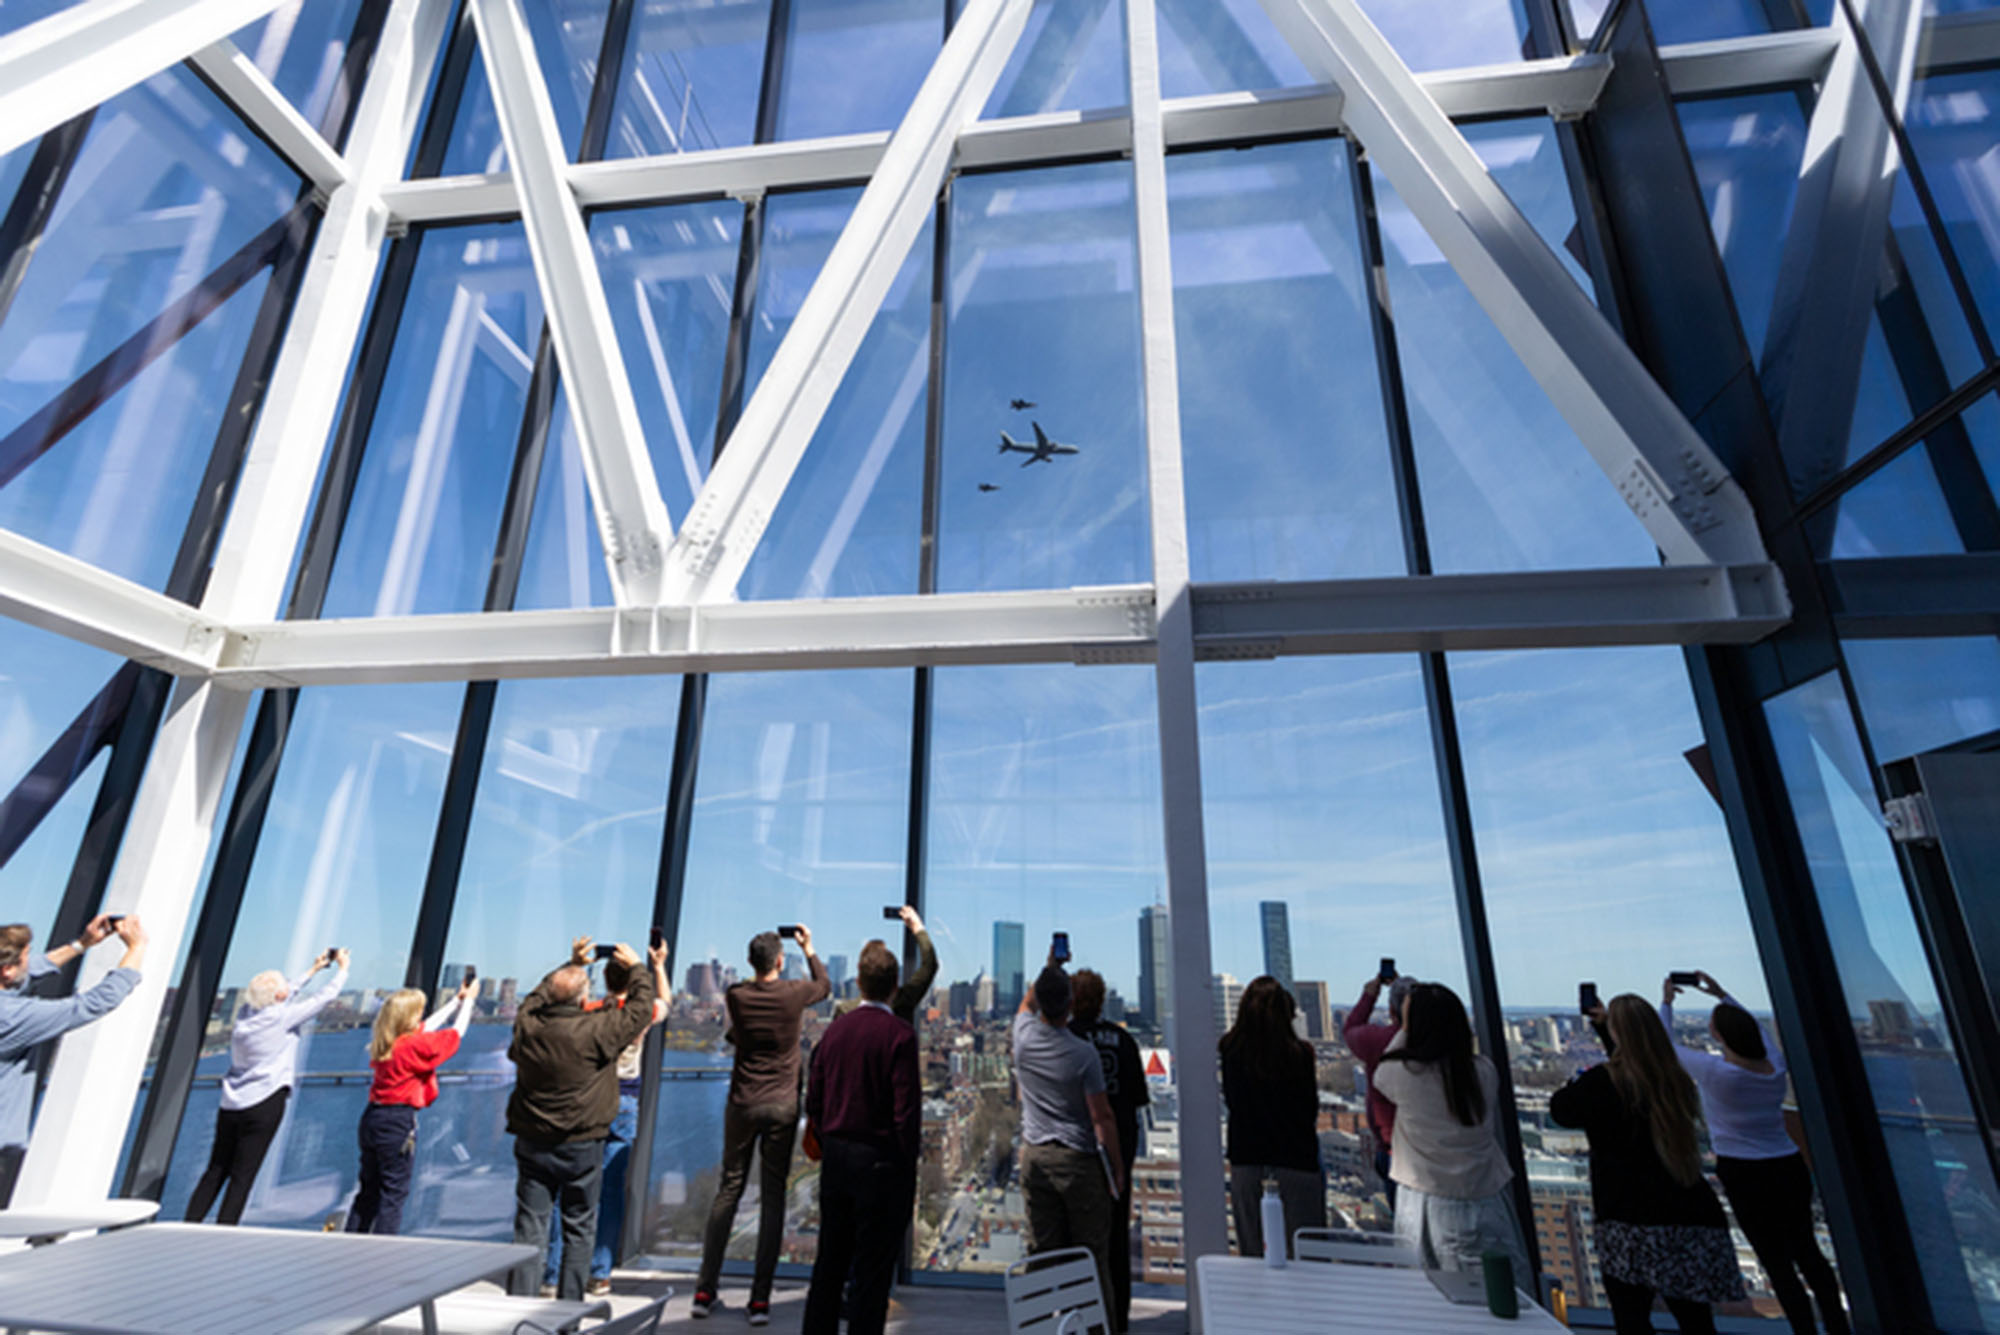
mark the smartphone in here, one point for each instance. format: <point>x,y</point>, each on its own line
<point>892,912</point>
<point>1586,998</point>
<point>1684,979</point>
<point>112,920</point>
<point>606,952</point>
<point>1387,973</point>
<point>471,975</point>
<point>790,931</point>
<point>657,937</point>
<point>1059,948</point>
<point>333,954</point>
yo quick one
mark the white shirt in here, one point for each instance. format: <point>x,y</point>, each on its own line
<point>1432,1151</point>
<point>1744,1109</point>
<point>264,1050</point>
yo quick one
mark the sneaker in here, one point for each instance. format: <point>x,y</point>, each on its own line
<point>760,1314</point>
<point>704,1303</point>
<point>548,1290</point>
<point>598,1287</point>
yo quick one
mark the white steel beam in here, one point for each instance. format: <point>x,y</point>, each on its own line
<point>275,485</point>
<point>1768,60</point>
<point>1519,610</point>
<point>271,113</point>
<point>750,477</point>
<point>87,54</point>
<point>1832,261</point>
<point>1956,41</point>
<point>1061,625</point>
<point>632,517</point>
<point>47,588</point>
<point>95,1077</point>
<point>1191,1027</point>
<point>1694,511</point>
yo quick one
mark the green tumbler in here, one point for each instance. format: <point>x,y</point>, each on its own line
<point>1500,1296</point>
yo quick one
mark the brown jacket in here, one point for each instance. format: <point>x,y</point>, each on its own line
<point>566,1062</point>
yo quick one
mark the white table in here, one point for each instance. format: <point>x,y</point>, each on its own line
<point>177,1279</point>
<point>1242,1296</point>
<point>46,1225</point>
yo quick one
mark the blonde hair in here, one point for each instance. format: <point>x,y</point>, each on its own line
<point>1651,1081</point>
<point>400,1014</point>
<point>264,988</point>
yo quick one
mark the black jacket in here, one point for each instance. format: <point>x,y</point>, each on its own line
<point>566,1062</point>
<point>1628,1182</point>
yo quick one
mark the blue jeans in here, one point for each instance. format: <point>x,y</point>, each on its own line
<point>610,1199</point>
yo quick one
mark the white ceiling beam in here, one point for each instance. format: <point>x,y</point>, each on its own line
<point>1954,41</point>
<point>84,56</point>
<point>60,593</point>
<point>275,486</point>
<point>271,113</point>
<point>749,478</point>
<point>1059,625</point>
<point>1693,510</point>
<point>1739,64</point>
<point>632,517</point>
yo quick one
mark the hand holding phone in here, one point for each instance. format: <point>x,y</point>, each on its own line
<point>1387,973</point>
<point>1586,999</point>
<point>892,912</point>
<point>1059,948</point>
<point>605,952</point>
<point>1684,978</point>
<point>790,931</point>
<point>657,938</point>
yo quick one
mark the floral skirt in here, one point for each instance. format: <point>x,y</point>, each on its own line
<point>1677,1260</point>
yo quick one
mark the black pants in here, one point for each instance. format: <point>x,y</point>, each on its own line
<point>243,1137</point>
<point>769,1129</point>
<point>865,1194</point>
<point>1632,1310</point>
<point>1772,1199</point>
<point>388,1137</point>
<point>10,1168</point>
<point>568,1175</point>
<point>1121,1254</point>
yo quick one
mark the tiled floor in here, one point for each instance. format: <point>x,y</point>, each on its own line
<point>911,1312</point>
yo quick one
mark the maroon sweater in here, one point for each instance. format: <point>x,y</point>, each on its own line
<point>864,1083</point>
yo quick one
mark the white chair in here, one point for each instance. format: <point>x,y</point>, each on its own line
<point>644,1321</point>
<point>1056,1293</point>
<point>1351,1246</point>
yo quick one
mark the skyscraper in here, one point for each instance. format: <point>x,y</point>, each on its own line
<point>1312,999</point>
<point>1009,952</point>
<point>1277,941</point>
<point>1228,996</point>
<point>1156,975</point>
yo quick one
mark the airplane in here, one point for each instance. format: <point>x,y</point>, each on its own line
<point>1040,452</point>
<point>1021,405</point>
<point>989,486</point>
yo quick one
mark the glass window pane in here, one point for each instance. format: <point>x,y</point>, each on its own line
<point>1942,1167</point>
<point>300,48</point>
<point>692,74</point>
<point>1325,853</point>
<point>1746,152</point>
<point>1223,46</point>
<point>48,679</point>
<point>1045,817</point>
<point>1070,57</point>
<point>1282,435</point>
<point>1506,484</point>
<point>568,36</point>
<point>1918,695</point>
<point>1897,511</point>
<point>1707,20</point>
<point>1588,809</point>
<point>32,882</point>
<point>850,523</point>
<point>1446,34</point>
<point>341,861</point>
<point>20,13</point>
<point>1953,120</point>
<point>829,41</point>
<point>1042,308</point>
<point>426,510</point>
<point>801,814</point>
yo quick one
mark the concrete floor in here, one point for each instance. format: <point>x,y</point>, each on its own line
<point>912,1311</point>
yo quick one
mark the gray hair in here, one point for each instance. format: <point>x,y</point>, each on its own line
<point>264,988</point>
<point>1398,992</point>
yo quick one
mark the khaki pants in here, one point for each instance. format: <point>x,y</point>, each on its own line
<point>1069,1204</point>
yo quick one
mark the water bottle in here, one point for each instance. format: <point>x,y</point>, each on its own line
<point>1272,1212</point>
<point>1500,1297</point>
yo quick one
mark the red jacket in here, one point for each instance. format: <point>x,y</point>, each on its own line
<point>409,1073</point>
<point>1368,1042</point>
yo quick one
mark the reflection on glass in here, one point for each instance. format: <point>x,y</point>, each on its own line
<point>801,814</point>
<point>1325,853</point>
<point>32,881</point>
<point>1746,153</point>
<point>850,521</point>
<point>300,47</point>
<point>895,41</point>
<point>1223,46</point>
<point>1604,858</point>
<point>1899,510</point>
<point>1952,121</point>
<point>1282,437</point>
<point>1042,309</point>
<point>340,862</point>
<point>1942,1167</point>
<point>567,36</point>
<point>1044,817</point>
<point>1445,34</point>
<point>1070,57</point>
<point>1918,695</point>
<point>20,13</point>
<point>426,508</point>
<point>1707,20</point>
<point>692,74</point>
<point>1495,460</point>
<point>564,842</point>
<point>47,681</point>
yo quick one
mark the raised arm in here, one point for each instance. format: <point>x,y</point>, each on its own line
<point>1366,1041</point>
<point>918,985</point>
<point>301,1006</point>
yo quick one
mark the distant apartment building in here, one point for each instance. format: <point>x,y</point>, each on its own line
<point>1274,918</point>
<point>1314,1005</point>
